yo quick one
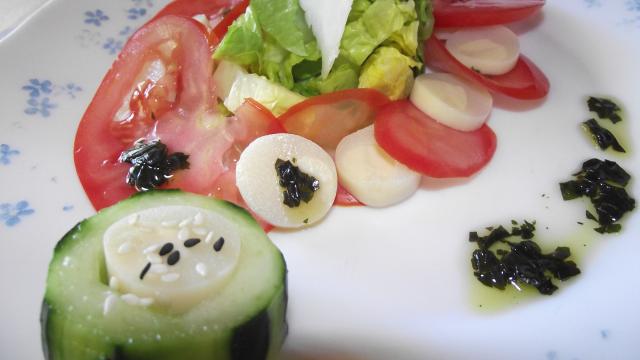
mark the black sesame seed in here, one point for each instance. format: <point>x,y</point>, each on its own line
<point>217,246</point>
<point>191,242</point>
<point>145,270</point>
<point>173,258</point>
<point>166,248</point>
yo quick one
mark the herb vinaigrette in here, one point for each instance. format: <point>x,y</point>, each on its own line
<point>583,242</point>
<point>151,164</point>
<point>608,129</point>
<point>522,262</point>
<point>298,186</point>
<point>604,183</point>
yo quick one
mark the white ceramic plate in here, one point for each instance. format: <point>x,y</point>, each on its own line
<point>381,284</point>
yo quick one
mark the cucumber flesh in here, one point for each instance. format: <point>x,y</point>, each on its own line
<point>244,318</point>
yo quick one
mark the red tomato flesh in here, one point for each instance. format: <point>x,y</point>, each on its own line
<point>176,106</point>
<point>191,8</point>
<point>221,13</point>
<point>344,198</point>
<point>428,147</point>
<point>326,119</point>
<point>525,81</point>
<point>469,13</point>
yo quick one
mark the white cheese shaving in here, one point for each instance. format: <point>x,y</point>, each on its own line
<point>327,20</point>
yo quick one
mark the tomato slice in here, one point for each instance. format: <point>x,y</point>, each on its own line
<point>426,146</point>
<point>221,12</point>
<point>160,88</point>
<point>467,13</point>
<point>221,28</point>
<point>326,119</point>
<point>344,198</point>
<point>191,8</point>
<point>525,81</point>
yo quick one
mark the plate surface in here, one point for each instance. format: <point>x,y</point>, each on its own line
<point>364,283</point>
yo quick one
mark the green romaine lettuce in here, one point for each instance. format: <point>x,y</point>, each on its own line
<point>377,23</point>
<point>389,71</point>
<point>272,39</point>
<point>284,21</point>
<point>243,42</point>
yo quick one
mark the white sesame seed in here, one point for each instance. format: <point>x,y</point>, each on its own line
<point>154,258</point>
<point>124,248</point>
<point>183,234</point>
<point>185,223</point>
<point>198,219</point>
<point>171,277</point>
<point>169,223</point>
<point>108,304</point>
<point>199,231</point>
<point>201,269</point>
<point>151,249</point>
<point>133,219</point>
<point>159,268</point>
<point>114,283</point>
<point>130,299</point>
<point>146,301</point>
<point>209,237</point>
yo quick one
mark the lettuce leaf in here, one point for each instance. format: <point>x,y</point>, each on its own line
<point>381,44</point>
<point>243,43</point>
<point>284,21</point>
<point>377,23</point>
<point>344,75</point>
<point>389,71</point>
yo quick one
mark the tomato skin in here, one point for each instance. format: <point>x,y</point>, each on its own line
<point>344,198</point>
<point>191,8</point>
<point>96,147</point>
<point>426,146</point>
<point>226,11</point>
<point>190,123</point>
<point>525,81</point>
<point>469,13</point>
<point>221,28</point>
<point>326,119</point>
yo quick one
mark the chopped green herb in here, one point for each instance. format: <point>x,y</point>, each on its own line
<point>605,108</point>
<point>523,263</point>
<point>603,137</point>
<point>603,182</point>
<point>298,185</point>
<point>152,165</point>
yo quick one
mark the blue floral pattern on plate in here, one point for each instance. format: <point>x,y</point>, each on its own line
<point>112,42</point>
<point>12,214</point>
<point>6,152</point>
<point>95,17</point>
<point>633,7</point>
<point>40,93</point>
<point>593,3</point>
<point>136,13</point>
